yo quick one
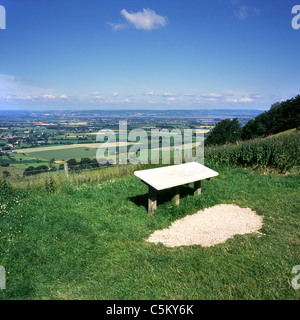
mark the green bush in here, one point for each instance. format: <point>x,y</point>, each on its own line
<point>282,152</point>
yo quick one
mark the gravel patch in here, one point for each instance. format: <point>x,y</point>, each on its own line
<point>209,227</point>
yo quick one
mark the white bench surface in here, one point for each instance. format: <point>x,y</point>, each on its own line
<point>176,175</point>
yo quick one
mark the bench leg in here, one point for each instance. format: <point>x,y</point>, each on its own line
<point>152,200</point>
<point>197,187</point>
<point>176,198</point>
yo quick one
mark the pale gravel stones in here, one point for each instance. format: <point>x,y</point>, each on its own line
<point>209,227</point>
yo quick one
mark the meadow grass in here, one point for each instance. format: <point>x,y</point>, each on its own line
<point>86,239</point>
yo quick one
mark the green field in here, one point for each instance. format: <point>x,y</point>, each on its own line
<point>65,154</point>
<point>86,240</point>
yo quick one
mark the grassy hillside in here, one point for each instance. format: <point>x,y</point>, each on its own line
<point>87,241</point>
<point>85,237</point>
<point>290,131</point>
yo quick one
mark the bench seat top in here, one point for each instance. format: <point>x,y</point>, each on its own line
<point>175,175</point>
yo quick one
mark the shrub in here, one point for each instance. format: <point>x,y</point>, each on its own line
<point>282,152</point>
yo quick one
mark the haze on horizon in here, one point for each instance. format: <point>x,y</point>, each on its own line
<point>151,55</point>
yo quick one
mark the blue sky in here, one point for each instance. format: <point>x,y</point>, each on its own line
<point>158,54</point>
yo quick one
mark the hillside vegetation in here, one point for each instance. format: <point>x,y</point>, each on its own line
<point>281,152</point>
<point>282,116</point>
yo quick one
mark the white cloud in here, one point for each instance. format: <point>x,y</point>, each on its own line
<point>212,95</point>
<point>256,11</point>
<point>243,12</point>
<point>145,20</point>
<point>151,101</point>
<point>246,100</point>
<point>189,95</point>
<point>236,100</point>
<point>118,26</point>
<point>256,96</point>
<point>17,88</point>
<point>167,94</point>
<point>149,93</point>
<point>210,99</point>
<point>115,94</point>
<point>232,100</point>
<point>242,96</point>
<point>49,96</point>
<point>95,95</point>
<point>23,98</point>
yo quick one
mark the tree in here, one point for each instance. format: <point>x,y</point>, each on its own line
<point>72,162</point>
<point>29,171</point>
<point>35,170</point>
<point>73,165</point>
<point>228,130</point>
<point>6,174</point>
<point>51,161</point>
<point>41,169</point>
<point>4,164</point>
<point>248,130</point>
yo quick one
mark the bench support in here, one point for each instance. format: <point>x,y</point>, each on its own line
<point>176,198</point>
<point>197,187</point>
<point>152,200</point>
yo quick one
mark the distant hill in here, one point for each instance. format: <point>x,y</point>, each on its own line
<point>246,114</point>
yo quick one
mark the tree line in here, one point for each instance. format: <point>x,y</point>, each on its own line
<point>73,164</point>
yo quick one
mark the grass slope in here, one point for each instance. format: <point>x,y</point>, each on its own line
<point>290,131</point>
<point>88,242</point>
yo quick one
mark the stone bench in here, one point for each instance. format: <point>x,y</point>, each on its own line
<point>174,176</point>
